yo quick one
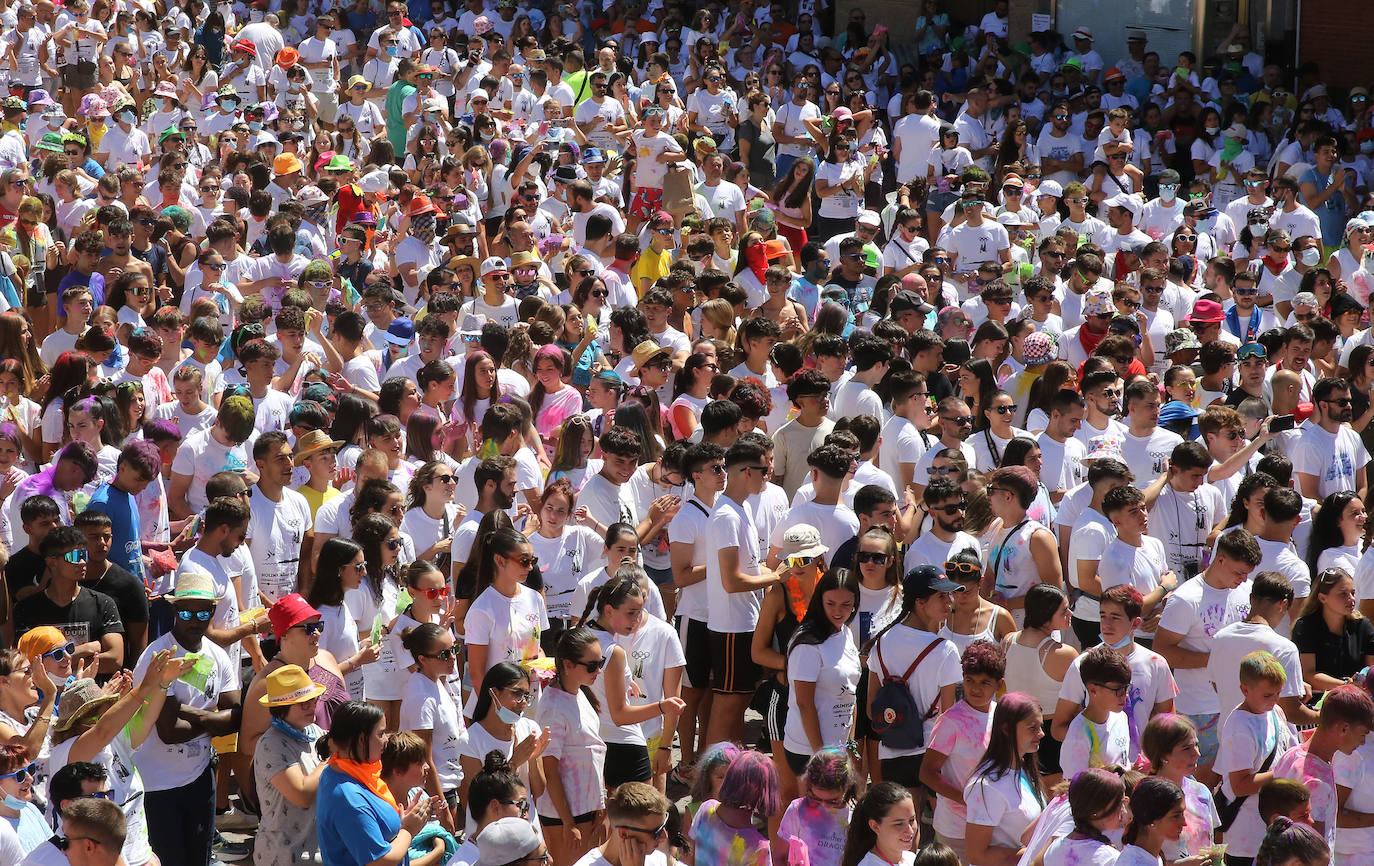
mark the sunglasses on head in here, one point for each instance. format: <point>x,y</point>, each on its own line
<point>952,567</point>
<point>1252,350</point>
<point>200,615</point>
<point>75,556</point>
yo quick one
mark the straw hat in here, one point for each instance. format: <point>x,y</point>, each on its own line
<point>79,700</point>
<point>289,685</point>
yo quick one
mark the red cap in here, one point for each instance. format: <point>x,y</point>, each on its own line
<point>291,610</point>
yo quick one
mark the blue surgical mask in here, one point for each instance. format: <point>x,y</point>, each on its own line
<point>15,803</point>
<point>393,50</point>
<point>229,104</point>
<point>1167,191</point>
<point>1206,225</point>
<point>507,717</point>
<point>255,126</point>
<point>1121,643</point>
<point>127,117</point>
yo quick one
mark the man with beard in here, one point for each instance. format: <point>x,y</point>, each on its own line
<point>944,536</point>
<point>1061,455</point>
<point>1102,395</point>
<point>1329,455</point>
<point>955,421</point>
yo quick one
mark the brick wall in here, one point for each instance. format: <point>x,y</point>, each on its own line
<point>1337,40</point>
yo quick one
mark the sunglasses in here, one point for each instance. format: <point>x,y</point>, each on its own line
<point>935,471</point>
<point>864,556</point>
<point>592,666</point>
<point>443,655</point>
<point>800,561</point>
<point>22,774</point>
<point>952,567</point>
<point>1005,410</point>
<point>75,556</point>
<point>200,615</point>
<point>433,594</point>
<point>526,560</point>
<point>952,509</point>
<point>962,420</point>
<point>393,544</point>
<point>310,628</point>
<point>59,654</point>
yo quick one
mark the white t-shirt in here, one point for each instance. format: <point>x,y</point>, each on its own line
<point>430,706</point>
<point>1089,744</point>
<point>1356,772</point>
<point>1183,521</point>
<point>1148,456</point>
<point>1008,804</point>
<point>1245,741</point>
<point>1198,611</point>
<point>833,666</point>
<point>688,526</point>
<point>1152,683</point>
<point>163,766</point>
<point>276,531</point>
<point>651,649</point>
<point>564,561</point>
<point>508,627</point>
<point>894,653</point>
<point>1235,642</point>
<point>201,456</point>
<point>1332,457</point>
<point>732,526</point>
<point>1070,851</point>
<point>918,133</point>
<point>1141,566</point>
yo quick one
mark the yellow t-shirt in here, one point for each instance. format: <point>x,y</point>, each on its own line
<point>315,498</point>
<point>651,266</point>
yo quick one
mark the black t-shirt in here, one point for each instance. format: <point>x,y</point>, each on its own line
<point>130,600</point>
<point>24,569</point>
<point>1338,655</point>
<point>90,616</point>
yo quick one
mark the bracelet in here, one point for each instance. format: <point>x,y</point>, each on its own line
<point>665,748</point>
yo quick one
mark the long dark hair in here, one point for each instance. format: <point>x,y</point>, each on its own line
<point>622,587</point>
<point>496,781</point>
<point>465,583</point>
<point>370,531</point>
<point>1326,528</point>
<point>350,417</point>
<point>1152,798</point>
<point>328,590</point>
<point>418,639</point>
<point>1248,485</point>
<point>571,644</point>
<point>501,675</point>
<point>982,370</point>
<point>874,805</point>
<point>815,627</point>
<point>1094,793</point>
<point>502,541</point>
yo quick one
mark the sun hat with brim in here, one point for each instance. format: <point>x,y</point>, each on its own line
<point>339,162</point>
<point>802,539</point>
<point>245,45</point>
<point>312,443</point>
<point>1108,445</point>
<point>290,610</point>
<point>289,685</point>
<point>41,97</point>
<point>51,141</point>
<point>1039,348</point>
<point>170,132</point>
<point>457,262</point>
<point>195,586</point>
<point>523,258</point>
<point>1179,340</point>
<point>1205,312</point>
<point>79,700</point>
<point>646,352</point>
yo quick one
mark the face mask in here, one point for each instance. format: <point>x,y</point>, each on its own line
<point>229,104</point>
<point>256,15</point>
<point>15,803</point>
<point>393,50</point>
<point>508,717</point>
<point>1367,146</point>
<point>54,120</point>
<point>298,124</point>
<point>1206,226</point>
<point>1212,130</point>
<point>255,126</point>
<point>1121,643</point>
<point>1311,256</point>
<point>127,117</point>
<point>1167,191</point>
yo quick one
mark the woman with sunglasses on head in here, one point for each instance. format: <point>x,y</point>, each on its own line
<point>431,710</point>
<point>506,617</point>
<point>338,571</point>
<point>973,617</point>
<point>501,724</point>
<point>574,761</point>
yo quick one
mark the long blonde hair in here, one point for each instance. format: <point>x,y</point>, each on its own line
<point>721,314</point>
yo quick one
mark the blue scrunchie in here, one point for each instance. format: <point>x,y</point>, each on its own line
<point>421,844</point>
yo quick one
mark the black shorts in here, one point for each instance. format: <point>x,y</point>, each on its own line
<point>797,763</point>
<point>775,709</point>
<point>626,762</point>
<point>1048,755</point>
<point>905,771</point>
<point>696,648</point>
<point>732,662</point>
<point>863,725</point>
<point>555,821</point>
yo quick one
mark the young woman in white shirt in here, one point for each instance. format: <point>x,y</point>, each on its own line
<point>500,723</point>
<point>883,828</point>
<point>431,709</point>
<point>1097,798</point>
<point>1004,795</point>
<point>1157,817</point>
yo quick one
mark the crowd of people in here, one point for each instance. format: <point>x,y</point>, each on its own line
<point>429,434</point>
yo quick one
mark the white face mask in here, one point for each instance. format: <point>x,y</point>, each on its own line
<point>1311,256</point>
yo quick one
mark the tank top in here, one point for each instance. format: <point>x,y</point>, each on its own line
<point>1026,672</point>
<point>335,694</point>
<point>962,641</point>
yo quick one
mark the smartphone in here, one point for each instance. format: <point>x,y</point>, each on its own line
<point>1281,423</point>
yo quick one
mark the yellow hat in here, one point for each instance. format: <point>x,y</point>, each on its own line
<point>288,685</point>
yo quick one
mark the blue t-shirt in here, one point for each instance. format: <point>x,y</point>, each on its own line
<point>1330,213</point>
<point>127,549</point>
<point>74,277</point>
<point>31,827</point>
<point>355,826</point>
